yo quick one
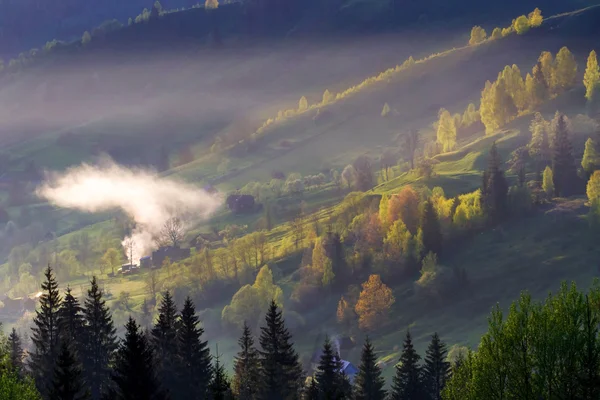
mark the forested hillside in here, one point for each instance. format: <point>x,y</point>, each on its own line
<point>374,192</point>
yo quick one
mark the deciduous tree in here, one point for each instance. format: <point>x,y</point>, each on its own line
<point>446,130</point>
<point>478,35</point>
<point>374,303</point>
<point>591,78</point>
<point>565,71</point>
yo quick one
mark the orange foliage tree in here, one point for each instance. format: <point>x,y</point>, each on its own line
<point>374,303</point>
<point>405,206</point>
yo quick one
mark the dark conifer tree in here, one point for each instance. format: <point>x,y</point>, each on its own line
<point>194,365</point>
<point>70,322</point>
<point>220,388</point>
<point>16,352</point>
<point>46,334</point>
<point>164,340</point>
<point>407,382</point>
<point>67,383</point>
<point>432,231</point>
<point>100,342</point>
<point>246,367</point>
<point>312,391</point>
<point>368,383</point>
<point>494,194</point>
<point>134,375</point>
<point>436,370</point>
<point>328,375</point>
<point>590,356</point>
<point>281,372</point>
<point>563,164</point>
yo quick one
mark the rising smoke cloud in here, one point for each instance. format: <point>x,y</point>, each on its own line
<point>143,195</point>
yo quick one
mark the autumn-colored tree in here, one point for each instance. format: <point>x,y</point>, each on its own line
<point>374,303</point>
<point>565,72</point>
<point>321,263</point>
<point>446,130</point>
<point>398,242</point>
<point>539,146</point>
<point>405,206</point>
<point>497,106</point>
<point>591,78</point>
<point>478,35</point>
<point>535,18</point>
<point>521,25</point>
<point>373,234</point>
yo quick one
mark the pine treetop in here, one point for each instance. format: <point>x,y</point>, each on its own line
<point>368,383</point>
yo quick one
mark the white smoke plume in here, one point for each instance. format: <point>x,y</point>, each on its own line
<point>142,194</point>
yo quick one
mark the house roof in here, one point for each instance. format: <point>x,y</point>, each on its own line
<point>348,367</point>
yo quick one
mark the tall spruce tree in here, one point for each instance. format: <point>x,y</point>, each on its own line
<point>164,340</point>
<point>329,373</point>
<point>15,352</point>
<point>407,382</point>
<point>563,163</point>
<point>432,231</point>
<point>220,387</point>
<point>45,336</point>
<point>436,370</point>
<point>281,372</point>
<point>68,383</point>
<point>494,193</point>
<point>194,365</point>
<point>70,322</point>
<point>134,375</point>
<point>100,342</point>
<point>246,367</point>
<point>368,383</point>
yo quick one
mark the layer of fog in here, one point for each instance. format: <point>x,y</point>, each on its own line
<point>143,195</point>
<point>131,88</point>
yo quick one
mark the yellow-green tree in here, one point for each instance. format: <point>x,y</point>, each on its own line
<point>590,161</point>
<point>497,33</point>
<point>470,116</point>
<point>446,131</point>
<point>521,25</point>
<point>267,290</point>
<point>328,97</point>
<point>111,259</point>
<point>374,303</point>
<point>593,188</point>
<point>386,110</point>
<point>302,104</point>
<point>548,182</point>
<point>546,62</point>
<point>515,86</point>
<point>565,72</point>
<point>398,242</point>
<point>535,18</point>
<point>321,263</point>
<point>591,78</point>
<point>86,38</point>
<point>211,4</point>
<point>478,35</point>
<point>497,106</point>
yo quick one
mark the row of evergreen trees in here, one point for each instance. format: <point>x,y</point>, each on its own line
<point>76,355</point>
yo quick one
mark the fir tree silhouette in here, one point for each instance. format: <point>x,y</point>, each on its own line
<point>68,381</point>
<point>246,367</point>
<point>134,375</point>
<point>281,372</point>
<point>368,383</point>
<point>436,370</point>
<point>194,365</point>
<point>16,352</point>
<point>99,342</point>
<point>220,388</point>
<point>164,340</point>
<point>46,333</point>
<point>407,381</point>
